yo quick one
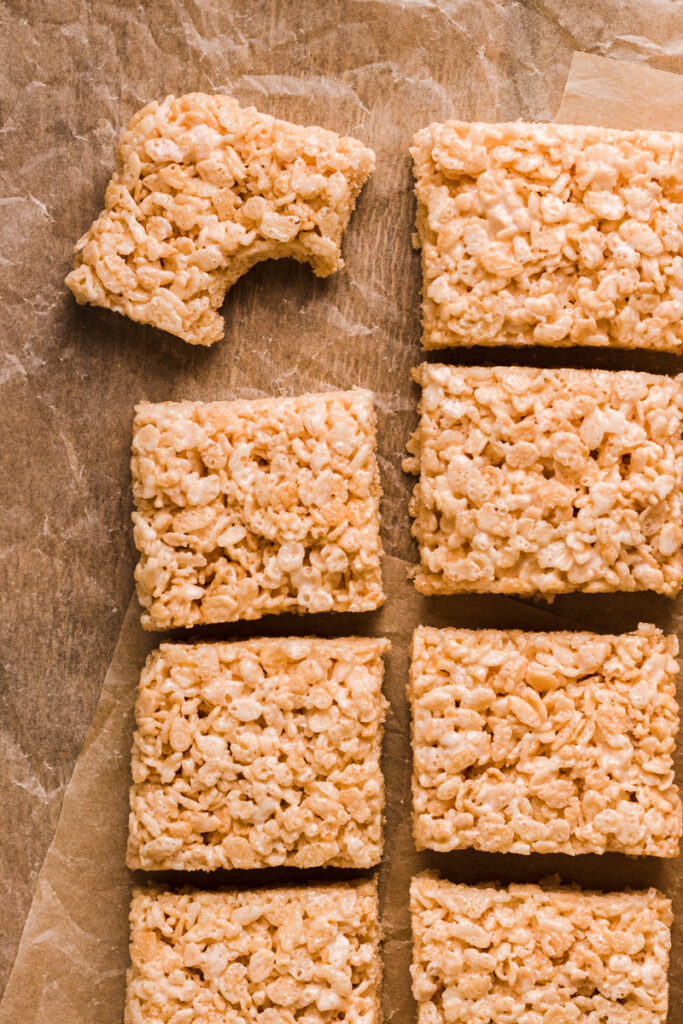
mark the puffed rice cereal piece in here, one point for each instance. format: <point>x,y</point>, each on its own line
<point>306,955</point>
<point>547,481</point>
<point>545,742</point>
<point>205,189</point>
<point>251,508</point>
<point>545,954</point>
<point>259,753</point>
<point>550,234</point>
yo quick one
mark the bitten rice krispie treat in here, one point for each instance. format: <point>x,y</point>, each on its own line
<point>550,234</point>
<point>254,507</point>
<point>204,190</point>
<point>538,954</point>
<point>259,753</point>
<point>307,955</point>
<point>547,481</point>
<point>545,742</point>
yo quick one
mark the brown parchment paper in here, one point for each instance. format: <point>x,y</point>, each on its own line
<point>285,333</point>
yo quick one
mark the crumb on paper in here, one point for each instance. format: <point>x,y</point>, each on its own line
<point>544,954</point>
<point>204,190</point>
<point>250,508</point>
<point>545,742</point>
<point>550,234</point>
<point>259,753</point>
<point>547,481</point>
<point>308,954</point>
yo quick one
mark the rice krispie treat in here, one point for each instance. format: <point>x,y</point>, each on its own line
<point>550,234</point>
<point>276,956</point>
<point>544,954</point>
<point>204,190</point>
<point>547,481</point>
<point>254,507</point>
<point>545,742</point>
<point>259,753</point>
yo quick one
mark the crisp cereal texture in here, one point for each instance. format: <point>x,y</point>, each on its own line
<point>204,190</point>
<point>259,753</point>
<point>545,742</point>
<point>550,234</point>
<point>270,956</point>
<point>547,481</point>
<point>254,507</point>
<point>532,954</point>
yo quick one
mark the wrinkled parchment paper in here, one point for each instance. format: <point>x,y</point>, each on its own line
<point>72,956</point>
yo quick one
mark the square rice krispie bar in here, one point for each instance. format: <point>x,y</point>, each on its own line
<point>205,189</point>
<point>259,753</point>
<point>547,481</point>
<point>544,954</point>
<point>275,956</point>
<point>550,234</point>
<point>545,742</point>
<point>251,508</point>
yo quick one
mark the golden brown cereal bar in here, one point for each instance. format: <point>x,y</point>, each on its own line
<point>308,954</point>
<point>541,954</point>
<point>259,753</point>
<point>545,742</point>
<point>205,189</point>
<point>550,234</point>
<point>251,508</point>
<point>547,481</point>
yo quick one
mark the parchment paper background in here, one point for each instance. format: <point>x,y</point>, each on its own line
<point>71,75</point>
